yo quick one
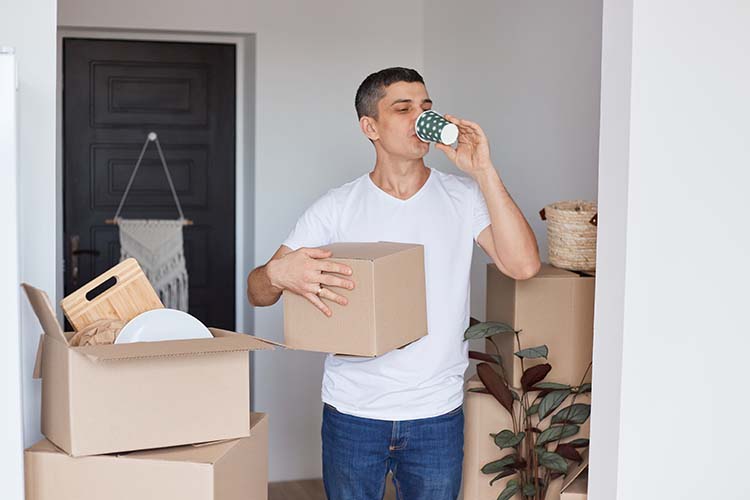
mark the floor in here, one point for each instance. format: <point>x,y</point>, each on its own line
<point>311,489</point>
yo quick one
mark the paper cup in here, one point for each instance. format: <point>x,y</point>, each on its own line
<point>432,127</point>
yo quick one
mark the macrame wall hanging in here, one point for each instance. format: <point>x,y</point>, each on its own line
<point>157,244</point>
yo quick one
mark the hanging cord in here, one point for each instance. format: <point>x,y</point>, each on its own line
<point>152,137</point>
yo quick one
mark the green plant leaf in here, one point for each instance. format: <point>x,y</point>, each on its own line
<point>497,386</point>
<point>486,329</point>
<point>510,489</point>
<point>498,465</point>
<point>557,433</point>
<point>579,443</point>
<point>534,375</point>
<point>574,414</point>
<point>503,473</point>
<point>553,462</point>
<point>532,409</point>
<point>584,388</point>
<point>483,356</point>
<point>515,395</point>
<point>529,490</point>
<point>540,351</point>
<point>508,439</point>
<point>480,390</point>
<point>552,401</point>
<point>554,386</point>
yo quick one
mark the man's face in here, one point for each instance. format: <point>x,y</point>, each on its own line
<point>397,112</point>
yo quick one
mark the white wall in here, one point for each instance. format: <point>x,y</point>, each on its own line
<point>611,247</point>
<point>30,29</point>
<point>685,331</point>
<point>11,418</point>
<point>528,73</point>
<point>311,56</point>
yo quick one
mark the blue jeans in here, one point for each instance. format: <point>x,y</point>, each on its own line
<point>425,456</point>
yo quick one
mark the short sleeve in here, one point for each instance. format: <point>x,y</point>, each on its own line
<point>480,214</point>
<point>316,225</point>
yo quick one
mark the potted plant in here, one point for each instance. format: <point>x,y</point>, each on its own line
<point>538,446</point>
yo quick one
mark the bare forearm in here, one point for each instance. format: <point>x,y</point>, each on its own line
<point>260,290</point>
<point>514,239</point>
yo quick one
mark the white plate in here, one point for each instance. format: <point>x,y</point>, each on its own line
<point>162,324</point>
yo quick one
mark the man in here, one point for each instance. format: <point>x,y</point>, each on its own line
<point>402,412</point>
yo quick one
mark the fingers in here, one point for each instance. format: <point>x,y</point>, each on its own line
<point>449,151</point>
<point>317,253</point>
<point>330,295</point>
<point>334,267</point>
<point>331,280</point>
<point>318,303</point>
<point>465,126</point>
<point>452,119</point>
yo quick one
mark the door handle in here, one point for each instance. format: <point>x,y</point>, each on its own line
<point>75,251</point>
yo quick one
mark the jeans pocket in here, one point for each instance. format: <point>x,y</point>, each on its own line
<point>331,409</point>
<point>454,412</point>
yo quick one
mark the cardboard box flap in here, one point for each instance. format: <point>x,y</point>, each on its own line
<point>223,341</point>
<point>38,361</point>
<point>366,251</point>
<point>44,446</point>
<point>44,311</point>
<point>576,471</point>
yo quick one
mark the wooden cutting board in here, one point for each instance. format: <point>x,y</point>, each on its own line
<point>130,295</point>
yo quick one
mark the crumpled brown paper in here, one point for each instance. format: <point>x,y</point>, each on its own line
<point>102,331</point>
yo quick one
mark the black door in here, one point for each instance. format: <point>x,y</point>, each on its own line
<point>114,94</point>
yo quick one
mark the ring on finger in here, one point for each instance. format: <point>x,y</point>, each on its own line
<point>320,290</point>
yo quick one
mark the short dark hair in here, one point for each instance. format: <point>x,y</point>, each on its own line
<point>372,89</point>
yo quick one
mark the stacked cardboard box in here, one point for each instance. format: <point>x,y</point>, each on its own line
<point>575,486</point>
<point>556,308</point>
<point>146,420</point>
<point>484,415</point>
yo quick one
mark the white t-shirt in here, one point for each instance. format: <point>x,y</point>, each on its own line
<point>425,378</point>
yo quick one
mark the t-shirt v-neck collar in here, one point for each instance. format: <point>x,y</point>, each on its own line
<point>399,200</point>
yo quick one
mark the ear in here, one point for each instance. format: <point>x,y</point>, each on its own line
<point>369,127</point>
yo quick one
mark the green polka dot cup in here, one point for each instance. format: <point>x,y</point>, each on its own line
<point>432,127</point>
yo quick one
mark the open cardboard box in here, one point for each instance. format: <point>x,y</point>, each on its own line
<point>227,470</point>
<point>387,308</point>
<point>123,397</point>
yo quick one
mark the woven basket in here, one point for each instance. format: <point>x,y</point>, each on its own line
<point>571,234</point>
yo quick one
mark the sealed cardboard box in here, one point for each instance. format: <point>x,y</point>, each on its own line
<point>556,308</point>
<point>123,397</point>
<point>227,470</point>
<point>484,415</point>
<point>386,310</point>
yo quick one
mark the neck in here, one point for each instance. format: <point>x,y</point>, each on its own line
<point>400,178</point>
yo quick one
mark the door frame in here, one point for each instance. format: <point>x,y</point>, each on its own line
<point>244,146</point>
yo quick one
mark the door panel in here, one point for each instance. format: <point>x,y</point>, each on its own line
<point>114,93</point>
